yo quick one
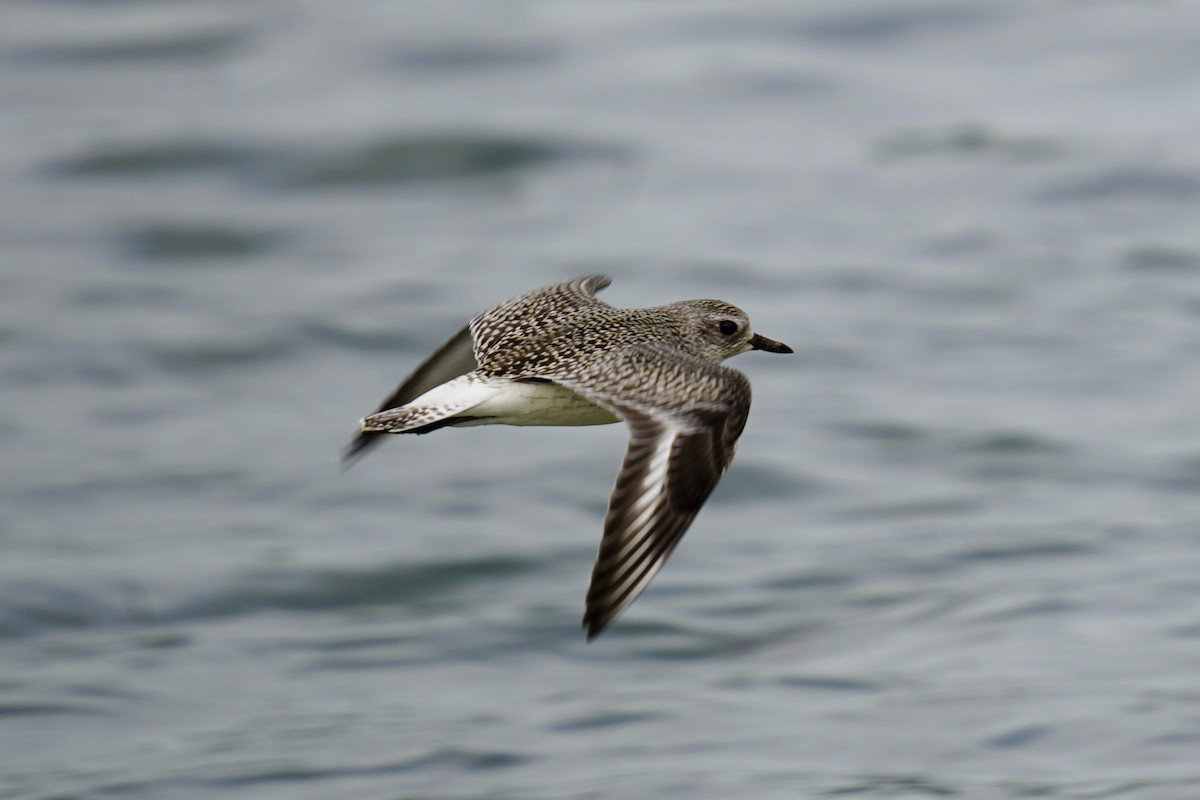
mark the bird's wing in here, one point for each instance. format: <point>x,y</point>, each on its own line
<point>456,357</point>
<point>530,315</point>
<point>490,332</point>
<point>684,415</point>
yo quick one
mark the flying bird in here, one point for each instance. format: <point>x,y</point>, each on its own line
<point>560,356</point>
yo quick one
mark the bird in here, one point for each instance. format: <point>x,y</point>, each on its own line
<point>559,355</point>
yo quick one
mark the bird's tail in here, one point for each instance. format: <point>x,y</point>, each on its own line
<point>440,406</point>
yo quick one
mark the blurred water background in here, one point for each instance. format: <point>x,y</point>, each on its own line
<point>958,554</point>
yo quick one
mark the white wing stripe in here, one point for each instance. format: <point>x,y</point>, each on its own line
<point>646,503</point>
<point>677,452</point>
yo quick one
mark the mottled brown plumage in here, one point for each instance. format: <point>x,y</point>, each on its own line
<point>560,356</point>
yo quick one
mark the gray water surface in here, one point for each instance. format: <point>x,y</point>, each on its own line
<point>957,555</point>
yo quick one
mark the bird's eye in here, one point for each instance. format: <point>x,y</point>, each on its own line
<point>727,327</point>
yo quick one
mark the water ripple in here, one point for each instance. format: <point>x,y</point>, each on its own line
<point>407,158</point>
<point>1127,183</point>
<point>389,585</point>
<point>198,356</point>
<point>465,56</point>
<point>968,140</point>
<point>1160,259</point>
<point>400,158</point>
<point>150,158</point>
<point>189,241</point>
<point>37,606</point>
<point>197,45</point>
<point>604,719</point>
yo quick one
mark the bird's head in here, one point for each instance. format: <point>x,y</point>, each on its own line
<point>721,330</point>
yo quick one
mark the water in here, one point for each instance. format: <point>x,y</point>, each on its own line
<point>957,554</point>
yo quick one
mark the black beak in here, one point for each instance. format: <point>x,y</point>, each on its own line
<point>758,342</point>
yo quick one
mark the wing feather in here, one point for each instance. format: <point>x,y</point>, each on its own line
<point>680,445</point>
<point>486,334</point>
<point>453,359</point>
<point>523,318</point>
